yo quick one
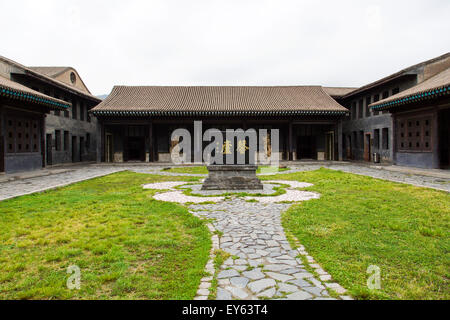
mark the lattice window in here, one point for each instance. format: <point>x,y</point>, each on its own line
<point>426,138</point>
<point>27,136</point>
<point>35,135</point>
<point>10,136</point>
<point>22,135</point>
<point>414,134</point>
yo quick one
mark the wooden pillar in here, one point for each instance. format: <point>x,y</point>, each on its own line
<point>151,154</point>
<point>340,141</point>
<point>155,142</point>
<point>290,146</point>
<point>394,141</point>
<point>43,149</point>
<point>435,139</point>
<point>2,141</point>
<point>102,141</point>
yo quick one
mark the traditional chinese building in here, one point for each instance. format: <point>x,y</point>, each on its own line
<point>368,131</point>
<point>69,133</point>
<point>421,122</point>
<point>135,123</point>
<point>22,125</point>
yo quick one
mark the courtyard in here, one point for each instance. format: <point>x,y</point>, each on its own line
<point>318,244</point>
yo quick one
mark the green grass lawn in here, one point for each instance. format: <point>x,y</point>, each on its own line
<point>361,221</point>
<point>203,170</point>
<point>127,245</point>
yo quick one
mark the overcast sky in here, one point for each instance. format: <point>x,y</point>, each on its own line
<point>226,42</point>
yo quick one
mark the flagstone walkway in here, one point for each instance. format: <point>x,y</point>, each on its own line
<point>262,264</point>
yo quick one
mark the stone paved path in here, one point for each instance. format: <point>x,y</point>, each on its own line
<point>31,185</point>
<point>262,263</point>
<point>381,173</point>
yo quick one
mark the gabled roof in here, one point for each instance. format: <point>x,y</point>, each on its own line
<point>51,71</point>
<point>57,73</point>
<point>436,86</point>
<point>412,70</point>
<point>145,100</point>
<point>42,76</point>
<point>13,90</point>
<point>338,92</point>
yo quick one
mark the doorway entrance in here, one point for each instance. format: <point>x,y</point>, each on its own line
<point>74,148</point>
<point>329,146</point>
<point>109,148</point>
<point>306,147</point>
<point>348,148</point>
<point>367,147</point>
<point>81,148</point>
<point>134,149</point>
<point>444,138</point>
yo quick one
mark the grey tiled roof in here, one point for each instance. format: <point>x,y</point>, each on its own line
<point>218,99</point>
<point>437,85</point>
<point>407,71</point>
<point>338,91</point>
<point>33,71</point>
<point>18,91</point>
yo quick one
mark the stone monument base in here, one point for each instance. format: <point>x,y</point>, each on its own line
<point>232,177</point>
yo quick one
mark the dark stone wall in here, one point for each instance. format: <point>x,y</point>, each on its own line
<point>76,128</point>
<point>27,159</point>
<point>368,122</point>
<point>370,125</point>
<point>77,125</point>
<point>23,162</point>
<point>415,159</point>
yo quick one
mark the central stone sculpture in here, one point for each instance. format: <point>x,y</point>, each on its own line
<point>232,177</point>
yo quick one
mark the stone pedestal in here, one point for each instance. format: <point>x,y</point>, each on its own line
<point>232,177</point>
